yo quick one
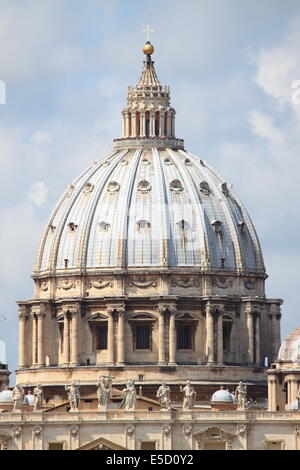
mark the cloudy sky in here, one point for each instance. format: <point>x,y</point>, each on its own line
<point>234,71</point>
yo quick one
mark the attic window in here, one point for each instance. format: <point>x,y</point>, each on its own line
<point>143,224</point>
<point>242,226</point>
<point>104,226</point>
<point>72,227</point>
<point>176,186</point>
<point>66,262</point>
<point>204,188</point>
<point>217,225</point>
<point>225,189</point>
<point>113,187</point>
<point>144,186</point>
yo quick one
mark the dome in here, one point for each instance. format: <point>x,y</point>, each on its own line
<point>6,396</point>
<point>149,207</point>
<point>222,396</point>
<point>290,347</point>
<point>28,399</point>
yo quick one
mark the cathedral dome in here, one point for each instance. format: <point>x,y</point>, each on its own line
<point>290,348</point>
<point>149,208</point>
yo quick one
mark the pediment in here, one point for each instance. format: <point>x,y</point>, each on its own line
<point>214,433</point>
<point>101,444</point>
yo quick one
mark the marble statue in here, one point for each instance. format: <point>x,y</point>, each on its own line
<point>240,396</point>
<point>189,396</point>
<point>104,390</point>
<point>18,397</point>
<point>163,394</point>
<point>129,395</point>
<point>37,394</point>
<point>73,396</point>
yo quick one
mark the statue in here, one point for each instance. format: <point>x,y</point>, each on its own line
<point>73,396</point>
<point>18,397</point>
<point>129,396</point>
<point>298,398</point>
<point>163,394</point>
<point>37,398</point>
<point>104,390</point>
<point>240,396</point>
<point>189,396</point>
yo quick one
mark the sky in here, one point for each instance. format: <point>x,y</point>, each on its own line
<point>234,71</point>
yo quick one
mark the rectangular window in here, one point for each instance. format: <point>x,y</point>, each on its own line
<point>55,446</point>
<point>142,337</point>
<point>184,337</point>
<point>148,445</point>
<point>101,337</point>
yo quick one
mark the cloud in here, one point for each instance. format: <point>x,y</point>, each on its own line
<point>262,125</point>
<point>38,193</point>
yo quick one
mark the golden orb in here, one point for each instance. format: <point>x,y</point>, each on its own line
<point>148,49</point>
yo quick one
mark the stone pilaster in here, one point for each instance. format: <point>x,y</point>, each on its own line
<point>66,342</point>
<point>172,340</point>
<point>74,336</point>
<point>23,320</point>
<point>210,347</point>
<point>121,338</point>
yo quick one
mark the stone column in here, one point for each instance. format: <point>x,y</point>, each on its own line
<point>110,338</point>
<point>142,125</point>
<point>74,337</point>
<point>121,338</point>
<point>34,340</point>
<point>169,124</point>
<point>210,348</point>
<point>152,123</point>
<point>250,337</point>
<point>173,125</point>
<point>272,406</point>
<point>172,340</point>
<point>161,339</point>
<point>66,339</point>
<point>220,338</point>
<point>257,340</point>
<point>294,389</point>
<point>126,124</point>
<point>40,340</point>
<point>133,124</point>
<point>22,337</point>
<point>161,124</point>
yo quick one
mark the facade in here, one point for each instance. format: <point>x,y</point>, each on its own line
<point>149,270</point>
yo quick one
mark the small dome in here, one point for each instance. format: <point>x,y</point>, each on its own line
<point>293,405</point>
<point>290,348</point>
<point>6,396</point>
<point>28,399</point>
<point>222,396</point>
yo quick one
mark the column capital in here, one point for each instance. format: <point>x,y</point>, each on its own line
<point>23,312</point>
<point>167,307</point>
<point>119,308</point>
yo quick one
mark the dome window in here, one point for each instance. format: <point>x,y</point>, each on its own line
<point>202,163</point>
<point>143,225</point>
<point>217,225</point>
<point>52,228</point>
<point>144,186</point>
<point>104,226</point>
<point>145,162</point>
<point>124,162</point>
<point>113,187</point>
<point>88,188</point>
<point>225,189</point>
<point>182,225</point>
<point>72,227</point>
<point>176,186</point>
<point>204,188</point>
<point>106,163</point>
<point>168,161</point>
<point>188,162</point>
